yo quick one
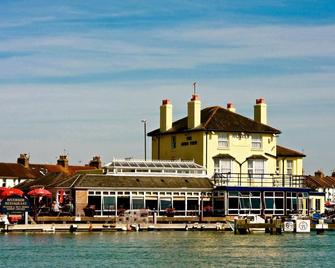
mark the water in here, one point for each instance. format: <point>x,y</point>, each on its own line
<point>166,249</point>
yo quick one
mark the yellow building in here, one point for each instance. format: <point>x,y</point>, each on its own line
<point>225,142</point>
<point>251,173</point>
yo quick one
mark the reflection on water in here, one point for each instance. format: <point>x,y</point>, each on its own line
<point>166,249</point>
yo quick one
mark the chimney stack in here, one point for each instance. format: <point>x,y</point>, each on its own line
<point>165,115</point>
<point>230,107</point>
<point>260,111</point>
<point>333,173</point>
<point>63,161</point>
<point>95,162</point>
<point>23,160</point>
<point>194,112</point>
<point>319,174</point>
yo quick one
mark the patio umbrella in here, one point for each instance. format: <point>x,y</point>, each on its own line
<point>3,189</point>
<point>39,192</point>
<point>9,192</point>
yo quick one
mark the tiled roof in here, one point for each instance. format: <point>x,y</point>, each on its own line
<point>282,151</point>
<point>15,171</point>
<point>139,182</point>
<point>320,182</point>
<point>45,181</point>
<point>46,168</point>
<point>217,118</point>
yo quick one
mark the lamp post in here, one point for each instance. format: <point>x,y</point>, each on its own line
<point>145,138</point>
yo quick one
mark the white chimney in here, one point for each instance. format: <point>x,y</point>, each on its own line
<point>260,111</point>
<point>194,112</point>
<point>165,115</point>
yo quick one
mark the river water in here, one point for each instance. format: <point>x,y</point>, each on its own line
<point>167,249</point>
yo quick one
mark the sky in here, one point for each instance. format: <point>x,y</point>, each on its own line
<point>77,77</point>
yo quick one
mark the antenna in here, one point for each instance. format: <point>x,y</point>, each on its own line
<point>194,87</point>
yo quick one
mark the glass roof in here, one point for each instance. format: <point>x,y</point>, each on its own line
<point>141,164</point>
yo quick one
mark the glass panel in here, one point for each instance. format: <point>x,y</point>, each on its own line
<point>279,202</point>
<point>245,203</point>
<point>233,203</point>
<point>192,205</point>
<point>138,203</point>
<point>165,203</point>
<point>109,203</point>
<point>256,203</point>
<point>269,203</point>
<point>95,202</point>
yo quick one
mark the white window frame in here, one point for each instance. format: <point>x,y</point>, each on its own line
<point>253,170</point>
<point>289,167</point>
<point>220,167</point>
<point>223,140</point>
<point>256,142</point>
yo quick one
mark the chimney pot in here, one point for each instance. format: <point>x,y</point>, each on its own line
<point>166,101</point>
<point>230,107</point>
<point>195,97</point>
<point>260,101</point>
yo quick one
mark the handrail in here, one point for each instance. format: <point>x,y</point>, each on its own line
<point>259,180</point>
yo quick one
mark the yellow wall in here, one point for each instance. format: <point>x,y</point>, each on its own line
<point>239,148</point>
<point>297,165</point>
<point>189,146</point>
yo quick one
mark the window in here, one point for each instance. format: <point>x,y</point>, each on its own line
<point>256,166</point>
<point>222,165</point>
<point>274,203</point>
<point>289,167</point>
<point>223,140</point>
<point>317,205</point>
<point>173,142</point>
<point>256,142</point>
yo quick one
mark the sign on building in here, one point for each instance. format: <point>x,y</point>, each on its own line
<point>15,205</point>
<point>303,226</point>
<point>288,226</point>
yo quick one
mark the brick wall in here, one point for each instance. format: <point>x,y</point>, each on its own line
<point>81,202</point>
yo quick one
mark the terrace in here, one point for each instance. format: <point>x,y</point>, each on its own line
<point>259,180</point>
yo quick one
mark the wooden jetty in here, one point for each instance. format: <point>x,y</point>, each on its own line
<point>244,226</point>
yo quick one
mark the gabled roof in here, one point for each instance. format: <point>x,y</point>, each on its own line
<point>282,151</point>
<point>14,170</point>
<point>217,118</point>
<point>89,181</point>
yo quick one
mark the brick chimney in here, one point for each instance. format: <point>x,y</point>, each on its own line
<point>194,112</point>
<point>165,115</point>
<point>230,107</point>
<point>63,161</point>
<point>333,173</point>
<point>260,111</point>
<point>23,160</point>
<point>95,162</point>
<point>319,174</point>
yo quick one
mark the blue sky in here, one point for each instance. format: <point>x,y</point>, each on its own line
<point>80,75</point>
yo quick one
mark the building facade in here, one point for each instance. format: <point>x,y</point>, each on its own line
<point>250,172</point>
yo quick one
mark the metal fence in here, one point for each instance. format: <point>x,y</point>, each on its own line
<point>258,180</point>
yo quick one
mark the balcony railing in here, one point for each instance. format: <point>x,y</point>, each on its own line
<point>258,180</point>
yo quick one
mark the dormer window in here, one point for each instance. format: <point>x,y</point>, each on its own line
<point>256,142</point>
<point>223,141</point>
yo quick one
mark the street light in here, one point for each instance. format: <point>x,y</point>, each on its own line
<point>145,138</point>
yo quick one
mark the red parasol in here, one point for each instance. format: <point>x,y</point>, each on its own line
<point>40,192</point>
<point>3,189</point>
<point>9,192</point>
